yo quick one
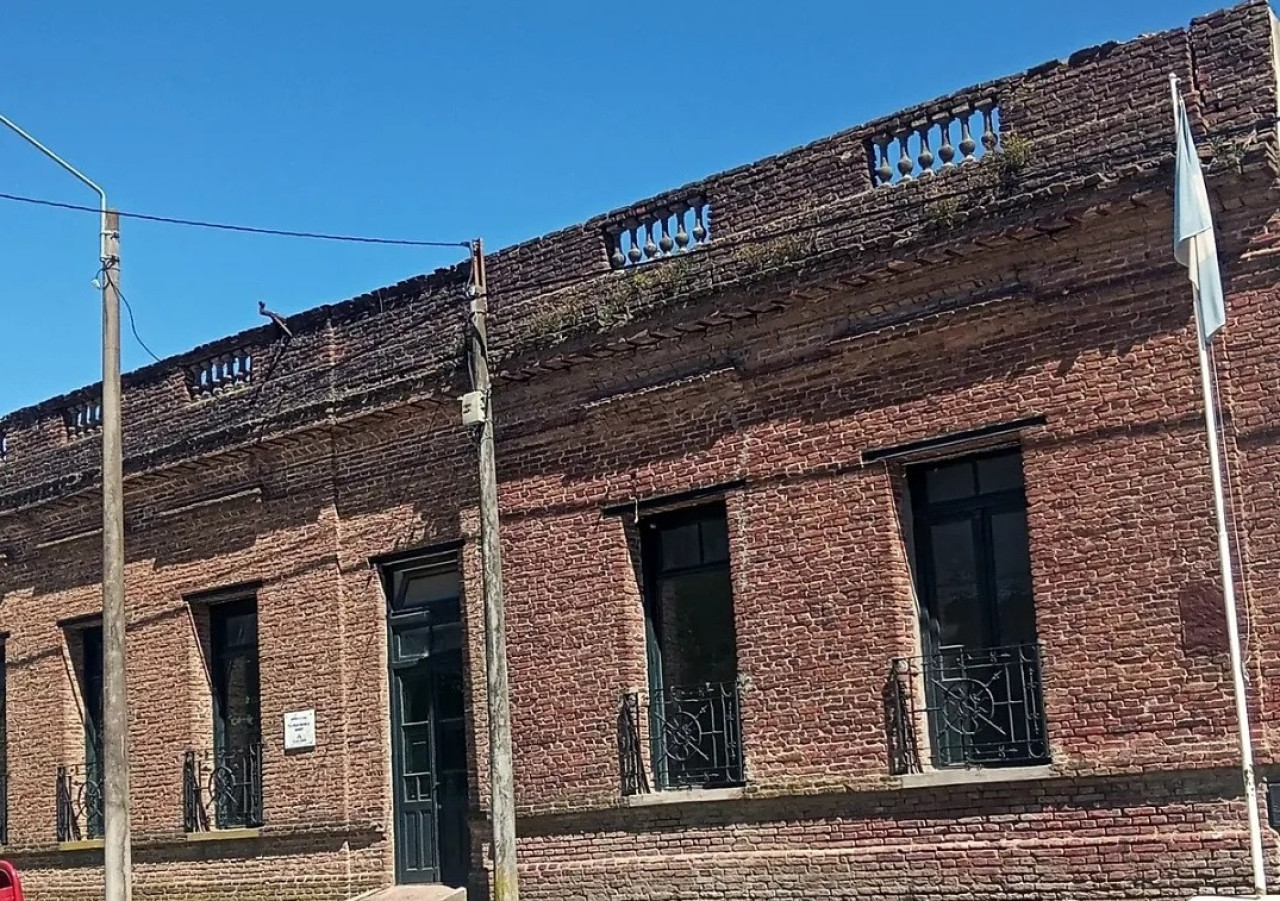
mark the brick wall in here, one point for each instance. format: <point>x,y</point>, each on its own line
<point>764,362</point>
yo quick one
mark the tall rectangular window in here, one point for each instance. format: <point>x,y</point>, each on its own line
<point>235,778</point>
<point>80,791</point>
<point>980,670</point>
<point>694,715</point>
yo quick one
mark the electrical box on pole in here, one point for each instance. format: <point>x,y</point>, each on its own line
<point>473,408</point>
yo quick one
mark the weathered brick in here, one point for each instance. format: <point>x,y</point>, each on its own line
<point>823,319</point>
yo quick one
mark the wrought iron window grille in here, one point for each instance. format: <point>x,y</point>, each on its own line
<point>693,736</point>
<point>79,803</point>
<point>981,708</point>
<point>222,789</point>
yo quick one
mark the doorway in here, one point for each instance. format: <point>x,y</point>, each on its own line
<point>428,722</point>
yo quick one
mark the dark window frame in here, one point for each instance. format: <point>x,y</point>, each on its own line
<point>235,783</point>
<point>1002,670</point>
<point>714,706</point>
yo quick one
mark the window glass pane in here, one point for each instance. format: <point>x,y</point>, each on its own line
<point>950,482</point>
<point>427,586</point>
<point>91,685</point>
<point>237,722</point>
<point>958,606</point>
<point>698,640</point>
<point>446,638</point>
<point>715,540</point>
<point>238,704</point>
<point>240,630</point>
<point>413,642</point>
<point>1011,560</point>
<point>680,546</point>
<point>1002,473</point>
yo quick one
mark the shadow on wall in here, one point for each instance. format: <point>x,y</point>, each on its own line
<point>434,475</point>
<point>1026,335</point>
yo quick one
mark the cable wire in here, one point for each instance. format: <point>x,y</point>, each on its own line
<point>133,325</point>
<point>223,226</point>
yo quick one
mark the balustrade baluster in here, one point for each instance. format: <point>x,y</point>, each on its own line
<point>946,152</point>
<point>650,246</point>
<point>699,225</point>
<point>967,144</point>
<point>682,236</point>
<point>925,158</point>
<point>989,138</point>
<point>884,171</point>
<point>617,259</point>
<point>665,243</point>
<point>634,254</point>
<point>905,163</point>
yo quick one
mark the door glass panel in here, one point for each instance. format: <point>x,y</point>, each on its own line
<point>415,696</point>
<point>1011,561</point>
<point>237,707</point>
<point>450,697</point>
<point>417,749</point>
<point>451,749</point>
<point>961,618</point>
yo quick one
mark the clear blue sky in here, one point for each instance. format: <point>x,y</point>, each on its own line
<point>434,120</point>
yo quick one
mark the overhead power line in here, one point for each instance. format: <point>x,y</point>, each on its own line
<point>247,229</point>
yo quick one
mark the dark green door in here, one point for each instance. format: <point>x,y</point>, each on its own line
<point>428,723</point>
<point>431,778</point>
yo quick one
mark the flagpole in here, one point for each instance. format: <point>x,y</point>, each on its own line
<point>1244,730</point>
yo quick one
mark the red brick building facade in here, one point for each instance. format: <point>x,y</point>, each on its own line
<point>856,524</point>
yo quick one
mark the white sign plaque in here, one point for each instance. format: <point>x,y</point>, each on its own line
<point>299,730</point>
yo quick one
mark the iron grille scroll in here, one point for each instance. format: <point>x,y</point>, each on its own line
<point>79,796</point>
<point>983,708</point>
<point>222,789</point>
<point>694,738</point>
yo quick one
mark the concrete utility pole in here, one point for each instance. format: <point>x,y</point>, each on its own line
<point>478,410</point>
<point>117,857</point>
<point>115,740</point>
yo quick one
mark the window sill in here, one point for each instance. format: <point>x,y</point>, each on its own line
<point>978,776</point>
<point>687,796</point>
<point>88,844</point>
<point>223,835</point>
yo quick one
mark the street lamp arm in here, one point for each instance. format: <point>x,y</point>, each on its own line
<point>30,139</point>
